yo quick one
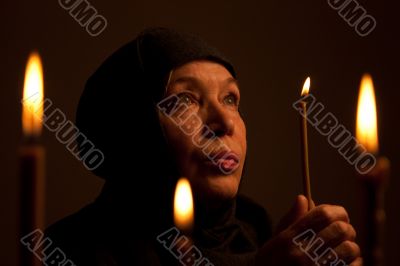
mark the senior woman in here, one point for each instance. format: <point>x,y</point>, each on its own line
<point>124,112</point>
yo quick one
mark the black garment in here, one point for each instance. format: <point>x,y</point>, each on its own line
<point>117,113</point>
<point>103,234</point>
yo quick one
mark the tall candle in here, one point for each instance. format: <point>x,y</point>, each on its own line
<point>373,181</point>
<point>32,157</point>
<point>304,147</point>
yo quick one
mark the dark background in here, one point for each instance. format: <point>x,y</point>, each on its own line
<point>274,45</point>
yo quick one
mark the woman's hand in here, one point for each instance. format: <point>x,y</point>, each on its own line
<point>321,236</point>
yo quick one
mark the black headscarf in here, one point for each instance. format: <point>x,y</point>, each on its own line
<point>117,108</point>
<point>117,113</point>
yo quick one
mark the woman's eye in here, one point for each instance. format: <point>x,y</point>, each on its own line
<point>185,98</point>
<point>231,99</point>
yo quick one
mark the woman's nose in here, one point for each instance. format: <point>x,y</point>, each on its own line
<point>219,120</point>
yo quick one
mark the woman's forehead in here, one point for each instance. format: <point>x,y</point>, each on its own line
<point>201,67</point>
<point>201,73</point>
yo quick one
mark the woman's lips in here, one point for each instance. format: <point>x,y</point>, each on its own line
<point>226,161</point>
<point>227,166</point>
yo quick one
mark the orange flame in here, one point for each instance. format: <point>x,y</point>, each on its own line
<point>32,110</point>
<point>306,87</point>
<point>366,129</point>
<point>183,205</point>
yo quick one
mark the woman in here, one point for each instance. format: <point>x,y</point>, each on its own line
<point>149,142</point>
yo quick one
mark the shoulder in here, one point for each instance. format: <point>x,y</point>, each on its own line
<point>76,235</point>
<point>74,223</point>
<point>254,215</point>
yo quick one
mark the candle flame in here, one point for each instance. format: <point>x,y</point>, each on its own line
<point>32,110</point>
<point>306,87</point>
<point>183,205</point>
<point>366,129</point>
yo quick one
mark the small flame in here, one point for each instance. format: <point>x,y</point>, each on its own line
<point>306,87</point>
<point>183,205</point>
<point>32,110</point>
<point>366,129</point>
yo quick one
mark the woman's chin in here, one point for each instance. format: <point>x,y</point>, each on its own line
<point>221,187</point>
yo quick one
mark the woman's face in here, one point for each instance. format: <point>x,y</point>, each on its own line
<point>204,128</point>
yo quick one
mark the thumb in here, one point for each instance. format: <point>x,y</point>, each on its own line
<point>299,209</point>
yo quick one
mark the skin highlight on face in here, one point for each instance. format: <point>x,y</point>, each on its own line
<point>208,99</point>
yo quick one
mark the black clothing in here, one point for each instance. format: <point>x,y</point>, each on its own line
<point>117,113</point>
<point>103,234</point>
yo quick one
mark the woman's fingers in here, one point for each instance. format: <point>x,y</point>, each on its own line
<point>348,251</point>
<point>320,217</point>
<point>357,262</point>
<point>298,210</point>
<point>322,235</point>
<point>336,233</point>
<point>327,229</point>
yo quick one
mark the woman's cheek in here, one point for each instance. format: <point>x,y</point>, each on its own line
<point>242,135</point>
<point>179,139</point>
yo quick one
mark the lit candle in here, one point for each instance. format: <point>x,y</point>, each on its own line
<point>183,215</point>
<point>32,157</point>
<point>304,147</point>
<point>183,206</point>
<point>373,181</point>
<point>367,129</point>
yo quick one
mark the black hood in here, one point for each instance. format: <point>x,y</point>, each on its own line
<point>117,110</point>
